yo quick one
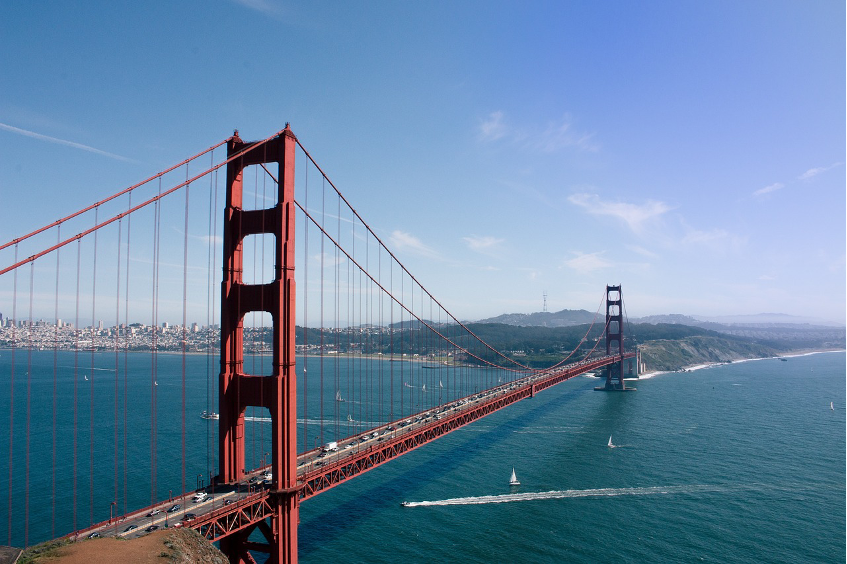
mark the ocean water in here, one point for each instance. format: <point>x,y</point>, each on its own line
<point>734,463</point>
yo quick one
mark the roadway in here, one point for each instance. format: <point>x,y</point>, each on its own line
<point>184,510</point>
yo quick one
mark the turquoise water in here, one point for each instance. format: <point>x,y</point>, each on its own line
<point>735,463</point>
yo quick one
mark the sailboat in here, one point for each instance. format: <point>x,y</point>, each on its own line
<point>86,377</point>
<point>610,445</point>
<point>338,396</point>
<point>349,417</point>
<point>513,481</point>
<point>832,407</point>
<point>423,388</point>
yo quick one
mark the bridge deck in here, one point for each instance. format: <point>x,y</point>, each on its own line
<point>231,508</point>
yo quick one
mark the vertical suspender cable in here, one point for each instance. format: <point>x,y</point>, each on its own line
<point>55,377</point>
<point>127,335</point>
<point>184,318</point>
<point>154,359</point>
<point>117,354</point>
<point>305,298</point>
<point>323,222</point>
<point>262,307</point>
<point>28,401</point>
<point>209,251</point>
<point>337,326</point>
<point>91,380</point>
<point>76,379</point>
<point>12,389</point>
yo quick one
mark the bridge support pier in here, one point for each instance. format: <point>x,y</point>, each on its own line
<point>239,390</point>
<point>614,335</point>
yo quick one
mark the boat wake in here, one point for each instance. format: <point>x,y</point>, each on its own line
<point>565,494</point>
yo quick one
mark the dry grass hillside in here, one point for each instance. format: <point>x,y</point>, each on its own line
<point>183,546</point>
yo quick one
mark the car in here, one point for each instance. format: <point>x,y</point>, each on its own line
<point>130,528</point>
<point>174,508</point>
<point>177,525</point>
<point>151,528</point>
<point>189,517</point>
<point>228,502</point>
<point>94,535</point>
<point>200,497</point>
<point>154,512</point>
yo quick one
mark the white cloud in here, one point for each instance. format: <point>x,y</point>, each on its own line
<point>559,135</point>
<point>65,142</point>
<point>402,241</point>
<point>716,240</point>
<point>264,6</point>
<point>636,216</point>
<point>587,263</point>
<point>767,189</point>
<point>812,172</point>
<point>492,128</point>
<point>642,251</point>
<point>484,245</point>
<point>556,136</point>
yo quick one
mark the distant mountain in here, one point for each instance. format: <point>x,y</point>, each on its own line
<point>564,318</point>
<point>761,319</point>
<point>673,318</point>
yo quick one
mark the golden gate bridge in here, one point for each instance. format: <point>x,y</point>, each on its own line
<point>353,363</point>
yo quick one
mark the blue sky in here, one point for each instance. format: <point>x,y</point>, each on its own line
<point>691,151</point>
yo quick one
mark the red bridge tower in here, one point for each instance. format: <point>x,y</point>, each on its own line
<point>277,392</point>
<point>614,341</point>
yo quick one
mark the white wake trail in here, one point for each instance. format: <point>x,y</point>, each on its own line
<point>562,494</point>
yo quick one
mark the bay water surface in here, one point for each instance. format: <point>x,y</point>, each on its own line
<point>733,463</point>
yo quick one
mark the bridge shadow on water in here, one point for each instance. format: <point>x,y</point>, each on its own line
<point>347,515</point>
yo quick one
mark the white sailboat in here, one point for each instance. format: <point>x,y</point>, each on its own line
<point>349,417</point>
<point>86,377</point>
<point>832,407</point>
<point>423,388</point>
<point>338,396</point>
<point>610,445</point>
<point>513,481</point>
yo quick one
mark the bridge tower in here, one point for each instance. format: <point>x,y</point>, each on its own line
<point>277,392</point>
<point>614,335</point>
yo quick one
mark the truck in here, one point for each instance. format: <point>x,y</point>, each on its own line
<point>331,446</point>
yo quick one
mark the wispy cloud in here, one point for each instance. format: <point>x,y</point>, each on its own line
<point>492,127</point>
<point>64,142</point>
<point>555,136</point>
<point>587,263</point>
<point>812,172</point>
<point>636,216</point>
<point>485,245</point>
<point>405,242</point>
<point>716,240</point>
<point>768,189</point>
<point>264,6</point>
<point>559,135</point>
<point>642,251</point>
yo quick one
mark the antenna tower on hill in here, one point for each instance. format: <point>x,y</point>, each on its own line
<point>545,302</point>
